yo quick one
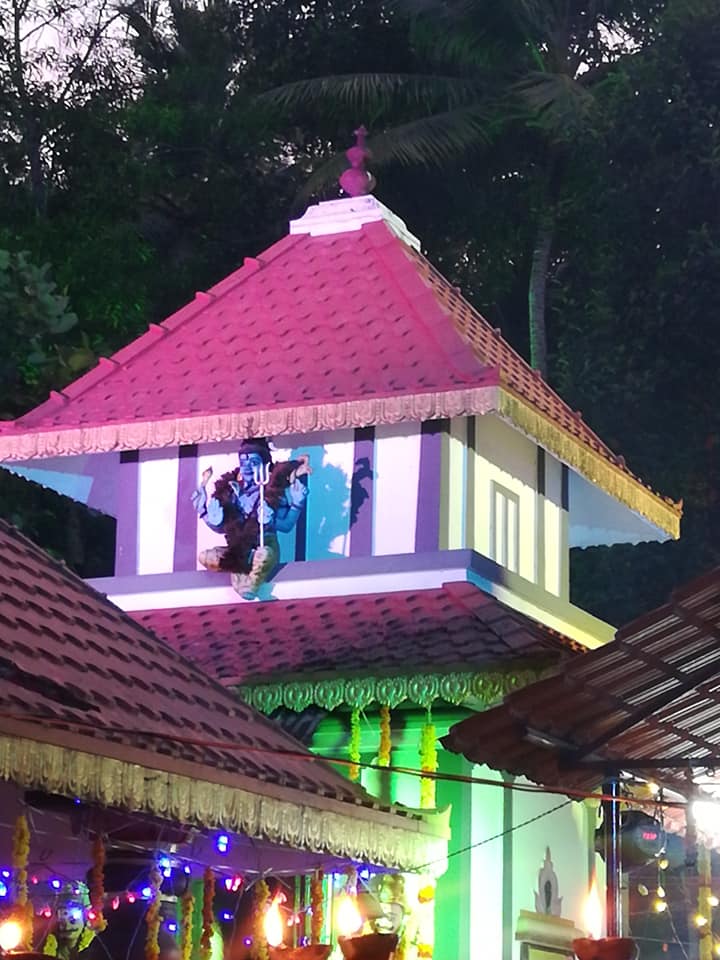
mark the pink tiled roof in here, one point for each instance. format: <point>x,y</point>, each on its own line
<point>71,661</point>
<point>319,332</point>
<point>313,320</point>
<point>456,627</point>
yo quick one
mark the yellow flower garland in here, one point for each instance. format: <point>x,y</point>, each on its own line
<point>152,917</point>
<point>186,938</point>
<point>97,884</point>
<point>428,762</point>
<point>20,856</point>
<point>207,913</point>
<point>317,898</point>
<point>385,737</point>
<point>262,898</point>
<point>354,746</point>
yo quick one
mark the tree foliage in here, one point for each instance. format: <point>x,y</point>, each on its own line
<point>139,164</point>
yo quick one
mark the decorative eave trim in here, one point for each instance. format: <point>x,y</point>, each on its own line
<point>422,689</point>
<point>276,421</point>
<point>617,481</point>
<point>122,785</point>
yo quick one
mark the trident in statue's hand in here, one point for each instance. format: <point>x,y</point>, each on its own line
<point>261,476</point>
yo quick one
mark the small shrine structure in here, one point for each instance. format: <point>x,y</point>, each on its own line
<point>427,570</point>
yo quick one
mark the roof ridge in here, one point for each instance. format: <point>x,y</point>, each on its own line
<point>508,382</point>
<point>517,356</point>
<point>397,248</point>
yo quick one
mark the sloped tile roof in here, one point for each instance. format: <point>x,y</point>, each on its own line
<point>71,660</point>
<point>651,695</point>
<point>313,320</point>
<point>318,332</point>
<point>457,627</point>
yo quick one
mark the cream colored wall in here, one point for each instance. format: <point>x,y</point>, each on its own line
<point>503,456</point>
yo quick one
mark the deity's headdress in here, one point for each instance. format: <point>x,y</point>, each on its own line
<point>257,445</point>
<point>74,895</point>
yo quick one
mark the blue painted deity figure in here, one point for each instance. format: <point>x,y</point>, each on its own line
<point>249,506</point>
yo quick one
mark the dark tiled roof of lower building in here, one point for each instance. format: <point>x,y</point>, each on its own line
<point>455,627</point>
<point>69,659</point>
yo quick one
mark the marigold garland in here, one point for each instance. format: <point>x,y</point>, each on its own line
<point>354,746</point>
<point>428,762</point>
<point>385,737</point>
<point>152,916</point>
<point>426,894</point>
<point>317,900</point>
<point>97,884</point>
<point>207,914</point>
<point>424,951</point>
<point>20,856</point>
<point>262,899</point>
<point>187,908</point>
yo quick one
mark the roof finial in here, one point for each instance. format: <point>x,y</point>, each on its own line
<point>357,181</point>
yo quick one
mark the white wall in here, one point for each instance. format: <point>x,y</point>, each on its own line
<point>395,489</point>
<point>157,504</point>
<point>505,863</point>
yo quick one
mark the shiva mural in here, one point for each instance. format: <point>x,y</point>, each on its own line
<point>249,506</point>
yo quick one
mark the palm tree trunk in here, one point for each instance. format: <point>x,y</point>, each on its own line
<point>538,289</point>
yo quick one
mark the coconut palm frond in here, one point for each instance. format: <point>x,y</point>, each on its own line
<point>371,90</point>
<point>436,140</point>
<point>555,101</point>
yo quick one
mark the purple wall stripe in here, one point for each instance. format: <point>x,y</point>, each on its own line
<point>361,493</point>
<point>184,555</point>
<point>126,533</point>
<point>427,523</point>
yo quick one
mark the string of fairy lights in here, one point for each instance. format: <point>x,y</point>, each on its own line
<point>236,884</point>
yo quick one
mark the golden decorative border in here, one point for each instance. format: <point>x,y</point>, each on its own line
<point>479,400</point>
<point>181,431</point>
<point>597,469</point>
<point>188,800</point>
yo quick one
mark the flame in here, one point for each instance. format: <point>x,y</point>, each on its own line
<point>11,935</point>
<point>593,912</point>
<point>348,919</point>
<point>273,924</point>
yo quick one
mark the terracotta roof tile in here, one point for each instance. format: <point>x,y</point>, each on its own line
<point>454,627</point>
<point>74,657</point>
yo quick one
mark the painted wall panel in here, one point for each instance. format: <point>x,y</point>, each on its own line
<point>222,457</point>
<point>157,499</point>
<point>553,526</point>
<point>454,485</point>
<point>397,469</point>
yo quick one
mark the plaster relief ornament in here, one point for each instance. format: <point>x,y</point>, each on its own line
<point>249,506</point>
<point>71,933</point>
<point>547,900</point>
